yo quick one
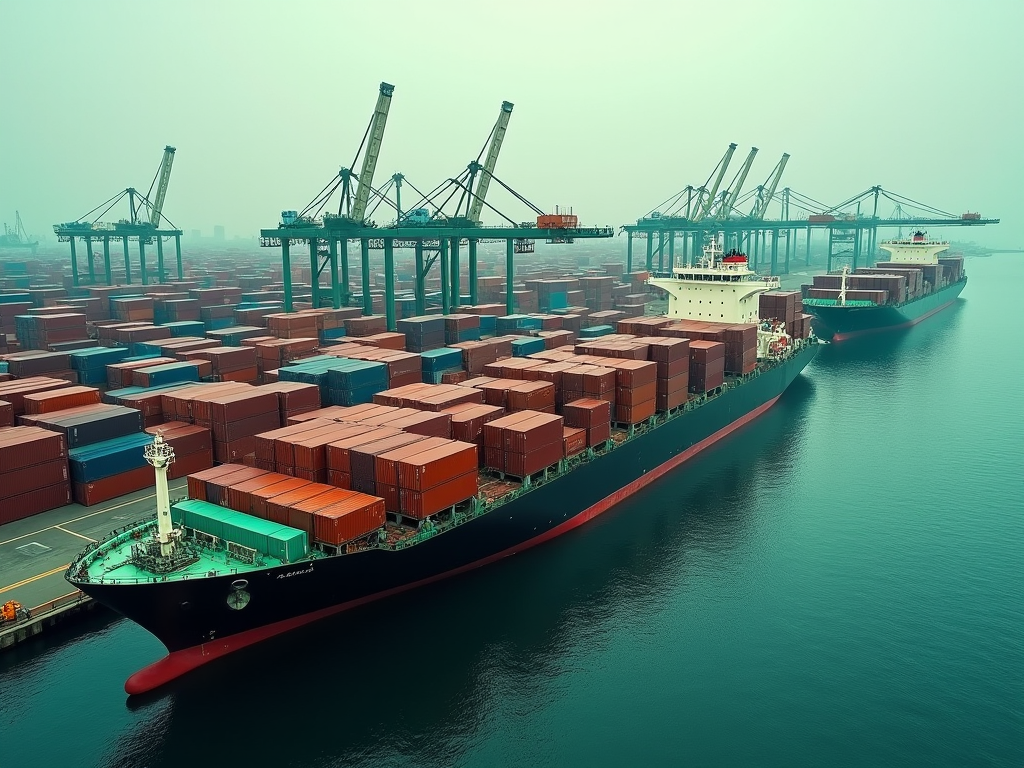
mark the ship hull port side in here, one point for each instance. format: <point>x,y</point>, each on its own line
<point>194,620</point>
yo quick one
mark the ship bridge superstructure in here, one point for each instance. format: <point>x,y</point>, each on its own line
<point>720,288</point>
<point>916,249</point>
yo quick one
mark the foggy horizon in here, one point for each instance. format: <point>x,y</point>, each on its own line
<point>617,107</point>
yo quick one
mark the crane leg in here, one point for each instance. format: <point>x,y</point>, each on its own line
<point>335,285</point>
<point>509,276</point>
<point>472,272</point>
<point>286,274</point>
<point>421,274</point>
<point>346,286</point>
<point>127,262</point>
<point>365,259</point>
<point>389,282</point>
<point>74,263</point>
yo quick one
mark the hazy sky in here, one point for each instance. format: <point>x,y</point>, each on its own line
<point>617,104</point>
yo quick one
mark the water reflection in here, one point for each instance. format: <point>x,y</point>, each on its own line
<point>411,679</point>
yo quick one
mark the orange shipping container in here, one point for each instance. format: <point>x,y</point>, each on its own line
<point>420,505</point>
<point>348,519</point>
<point>429,469</point>
<point>60,399</point>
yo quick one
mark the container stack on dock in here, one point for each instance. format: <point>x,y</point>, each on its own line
<point>33,472</point>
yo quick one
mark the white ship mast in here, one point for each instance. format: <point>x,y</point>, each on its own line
<point>160,456</point>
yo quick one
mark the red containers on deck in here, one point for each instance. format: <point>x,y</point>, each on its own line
<point>523,443</point>
<point>348,519</point>
<point>672,356</point>
<point>33,472</point>
<point>592,415</point>
<point>707,365</point>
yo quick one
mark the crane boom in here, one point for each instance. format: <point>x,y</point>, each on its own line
<point>376,134</point>
<point>762,207</point>
<point>497,137</point>
<point>737,185</point>
<point>722,166</point>
<point>161,189</point>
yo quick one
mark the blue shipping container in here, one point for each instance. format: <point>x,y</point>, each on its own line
<point>110,457</point>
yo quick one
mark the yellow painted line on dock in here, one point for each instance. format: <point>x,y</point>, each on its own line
<point>84,517</point>
<point>74,534</point>
<point>34,578</point>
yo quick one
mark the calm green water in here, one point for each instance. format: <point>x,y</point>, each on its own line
<point>841,584</point>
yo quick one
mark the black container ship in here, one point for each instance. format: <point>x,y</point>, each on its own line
<point>914,285</point>
<point>204,598</point>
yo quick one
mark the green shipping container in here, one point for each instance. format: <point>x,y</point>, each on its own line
<point>270,538</point>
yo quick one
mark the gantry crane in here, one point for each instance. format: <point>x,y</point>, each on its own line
<point>163,175</point>
<point>766,191</point>
<point>705,205</point>
<point>355,188</point>
<point>734,188</point>
<point>143,224</point>
<point>497,136</point>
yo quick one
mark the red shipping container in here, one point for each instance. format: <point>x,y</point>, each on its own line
<point>338,456</point>
<point>238,496</point>
<point>6,414</point>
<point>494,431</point>
<point>216,488</point>
<point>34,502</point>
<point>635,413</point>
<point>349,519</point>
<point>184,438</point>
<point>189,463</point>
<point>308,450</point>
<point>425,423</point>
<point>279,507</point>
<point>248,427</point>
<point>26,446</point>
<point>197,481</point>
<point>530,395</point>
<point>111,487</point>
<point>642,394</point>
<point>385,464</point>
<point>598,434</point>
<point>586,413</point>
<point>520,464</point>
<point>421,505</point>
<point>26,479</point>
<point>61,399</point>
<point>435,466</point>
<point>241,405</point>
<point>573,441</point>
<point>235,450</point>
<point>339,479</point>
<point>261,497</point>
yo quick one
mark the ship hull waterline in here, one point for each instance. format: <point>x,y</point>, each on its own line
<point>837,324</point>
<point>193,620</point>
